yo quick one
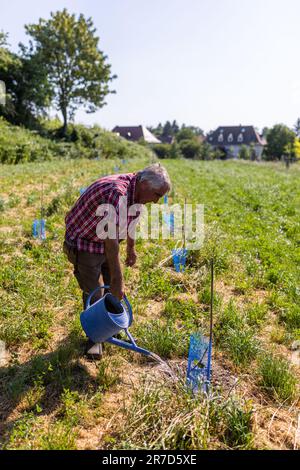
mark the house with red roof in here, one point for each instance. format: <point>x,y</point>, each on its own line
<point>135,133</point>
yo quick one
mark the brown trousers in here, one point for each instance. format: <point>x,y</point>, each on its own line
<point>88,267</point>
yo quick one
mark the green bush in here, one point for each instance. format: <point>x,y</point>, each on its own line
<point>162,150</point>
<point>245,152</point>
<point>175,151</point>
<point>190,148</point>
<point>167,150</point>
<point>22,145</point>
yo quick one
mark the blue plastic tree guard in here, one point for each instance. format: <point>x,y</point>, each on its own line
<point>116,169</point>
<point>199,363</point>
<point>39,229</point>
<point>166,199</point>
<point>82,190</point>
<point>179,259</point>
<point>169,220</point>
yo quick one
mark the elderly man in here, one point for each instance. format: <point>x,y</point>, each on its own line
<point>93,256</point>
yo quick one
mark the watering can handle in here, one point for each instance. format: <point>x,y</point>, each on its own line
<point>88,302</point>
<point>129,309</point>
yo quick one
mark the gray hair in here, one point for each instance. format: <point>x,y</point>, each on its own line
<point>156,175</point>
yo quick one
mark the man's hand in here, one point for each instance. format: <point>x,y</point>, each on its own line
<point>131,257</point>
<point>131,254</point>
<point>117,289</point>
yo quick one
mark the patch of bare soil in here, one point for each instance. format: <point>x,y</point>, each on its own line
<point>115,402</point>
<point>186,296</point>
<point>225,291</point>
<point>154,309</point>
<point>228,292</point>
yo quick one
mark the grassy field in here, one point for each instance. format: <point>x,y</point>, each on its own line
<point>52,398</point>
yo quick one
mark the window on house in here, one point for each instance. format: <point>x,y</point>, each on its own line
<point>240,138</point>
<point>220,138</point>
<point>230,138</point>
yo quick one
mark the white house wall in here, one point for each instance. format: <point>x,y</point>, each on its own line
<point>234,150</point>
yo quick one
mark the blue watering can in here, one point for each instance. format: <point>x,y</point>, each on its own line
<point>106,318</point>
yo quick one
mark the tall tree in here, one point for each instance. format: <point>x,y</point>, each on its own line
<point>279,138</point>
<point>297,127</point>
<point>26,86</point>
<point>10,70</point>
<point>167,130</point>
<point>175,127</point>
<point>3,38</point>
<point>78,74</point>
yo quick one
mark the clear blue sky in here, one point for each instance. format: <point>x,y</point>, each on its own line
<point>201,62</point>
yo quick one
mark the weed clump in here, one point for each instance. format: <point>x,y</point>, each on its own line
<point>235,336</point>
<point>276,377</point>
<point>163,339</point>
<point>107,375</point>
<point>167,416</point>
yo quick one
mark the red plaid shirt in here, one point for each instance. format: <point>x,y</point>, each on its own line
<point>81,221</point>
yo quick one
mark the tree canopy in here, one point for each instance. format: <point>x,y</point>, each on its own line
<point>279,138</point>
<point>66,50</point>
<point>166,131</point>
<point>27,92</point>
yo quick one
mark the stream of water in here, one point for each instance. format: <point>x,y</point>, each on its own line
<point>164,364</point>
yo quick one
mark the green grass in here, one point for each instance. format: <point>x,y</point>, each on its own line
<point>58,437</point>
<point>22,433</point>
<point>234,334</point>
<point>108,373</point>
<point>238,432</point>
<point>241,346</point>
<point>252,220</point>
<point>277,378</point>
<point>162,338</point>
<point>166,416</point>
<point>256,314</point>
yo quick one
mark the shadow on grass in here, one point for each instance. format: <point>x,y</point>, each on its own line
<point>37,385</point>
